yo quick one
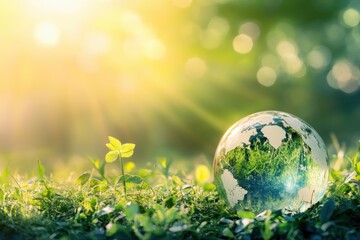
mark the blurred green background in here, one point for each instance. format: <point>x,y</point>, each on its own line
<point>169,75</point>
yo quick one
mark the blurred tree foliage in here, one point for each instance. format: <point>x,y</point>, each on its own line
<point>312,46</point>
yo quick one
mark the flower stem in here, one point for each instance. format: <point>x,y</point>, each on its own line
<point>123,174</point>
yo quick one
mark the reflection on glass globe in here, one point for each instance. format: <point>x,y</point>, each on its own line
<point>271,161</point>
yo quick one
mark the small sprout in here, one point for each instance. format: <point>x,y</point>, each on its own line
<point>164,166</point>
<point>100,168</point>
<point>41,170</point>
<point>119,151</point>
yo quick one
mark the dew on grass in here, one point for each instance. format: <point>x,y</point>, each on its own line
<point>271,161</point>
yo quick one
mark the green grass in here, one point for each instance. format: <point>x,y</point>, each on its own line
<point>163,203</point>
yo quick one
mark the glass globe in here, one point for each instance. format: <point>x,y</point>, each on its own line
<point>271,161</point>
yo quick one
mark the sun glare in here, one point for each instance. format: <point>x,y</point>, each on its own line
<point>47,34</point>
<point>56,6</point>
<point>75,68</point>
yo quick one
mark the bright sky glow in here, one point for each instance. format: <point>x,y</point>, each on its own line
<point>154,49</point>
<point>56,6</point>
<point>182,3</point>
<point>47,34</point>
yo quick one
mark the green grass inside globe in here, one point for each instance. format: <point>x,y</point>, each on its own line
<point>271,161</point>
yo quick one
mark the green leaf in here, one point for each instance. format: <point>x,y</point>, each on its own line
<point>111,147</point>
<point>95,163</point>
<point>95,182</point>
<point>5,173</point>
<point>171,215</point>
<point>99,166</point>
<point>163,163</point>
<point>209,187</point>
<point>127,154</point>
<point>131,211</point>
<point>177,181</point>
<point>2,194</point>
<point>111,229</point>
<point>130,179</point>
<point>357,169</point>
<point>41,170</point>
<point>115,142</point>
<point>126,147</point>
<point>267,233</point>
<point>112,156</point>
<point>88,204</point>
<point>227,233</point>
<point>327,210</point>
<point>164,166</point>
<point>145,222</point>
<point>117,231</point>
<point>159,214</point>
<point>245,214</point>
<point>134,179</point>
<point>127,150</point>
<point>335,175</point>
<point>82,179</point>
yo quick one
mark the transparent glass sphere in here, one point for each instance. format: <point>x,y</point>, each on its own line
<point>271,161</point>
